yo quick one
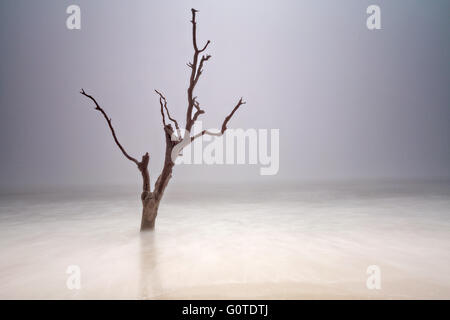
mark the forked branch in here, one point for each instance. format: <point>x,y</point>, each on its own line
<point>224,124</point>
<point>196,71</point>
<point>163,103</point>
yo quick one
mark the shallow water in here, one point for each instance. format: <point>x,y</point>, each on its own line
<point>249,241</point>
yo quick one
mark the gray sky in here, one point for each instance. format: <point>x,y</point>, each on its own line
<point>350,103</point>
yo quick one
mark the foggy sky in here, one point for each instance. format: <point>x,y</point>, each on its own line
<point>350,103</point>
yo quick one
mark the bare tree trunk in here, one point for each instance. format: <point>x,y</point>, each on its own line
<point>151,200</point>
<point>149,213</point>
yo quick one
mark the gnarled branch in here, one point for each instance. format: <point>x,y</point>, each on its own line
<point>198,112</point>
<point>196,70</point>
<point>200,68</point>
<point>108,120</point>
<point>224,124</point>
<point>142,165</point>
<point>162,112</point>
<point>162,99</point>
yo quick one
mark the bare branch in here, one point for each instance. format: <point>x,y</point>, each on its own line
<point>218,134</point>
<point>198,112</point>
<point>108,120</point>
<point>224,124</point>
<point>200,68</point>
<point>206,46</point>
<point>194,33</point>
<point>162,112</point>
<point>195,74</point>
<point>197,105</point>
<point>194,29</point>
<point>161,96</point>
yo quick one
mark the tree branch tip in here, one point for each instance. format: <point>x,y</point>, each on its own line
<point>206,46</point>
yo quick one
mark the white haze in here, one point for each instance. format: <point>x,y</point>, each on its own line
<point>283,241</point>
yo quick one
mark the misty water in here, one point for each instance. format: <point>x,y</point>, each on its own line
<point>247,241</point>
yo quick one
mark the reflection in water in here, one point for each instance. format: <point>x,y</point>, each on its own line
<point>150,284</point>
<point>285,241</point>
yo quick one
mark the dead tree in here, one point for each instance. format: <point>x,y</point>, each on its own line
<point>175,141</point>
